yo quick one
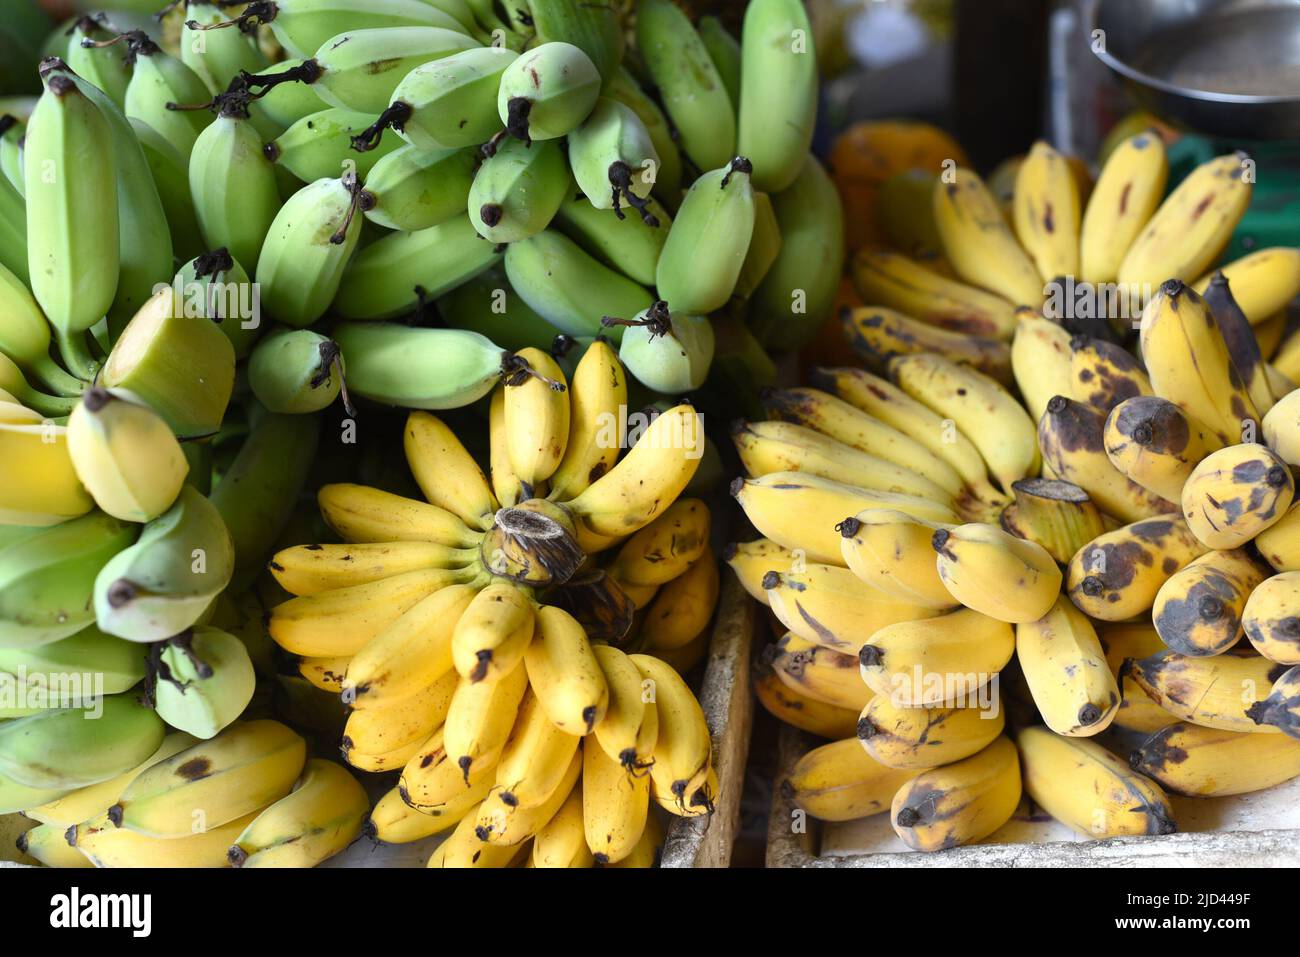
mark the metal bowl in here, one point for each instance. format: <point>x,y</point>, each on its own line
<point>1227,68</point>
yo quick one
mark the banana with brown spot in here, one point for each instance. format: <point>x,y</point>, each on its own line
<point>818,671</point>
<point>1239,337</point>
<point>1199,610</point>
<point>1066,670</point>
<point>1216,692</point>
<point>1235,493</point>
<point>751,561</point>
<point>842,782</point>
<point>1281,709</point>
<point>1104,374</point>
<point>877,334</point>
<point>919,738</point>
<point>1046,211</point>
<point>1127,193</point>
<point>1005,577</point>
<point>1207,762</point>
<point>1272,618</point>
<point>960,803</point>
<point>801,711</point>
<point>1117,575</point>
<point>1156,444</point>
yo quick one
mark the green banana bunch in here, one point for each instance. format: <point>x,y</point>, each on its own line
<point>118,664</point>
<point>593,28</point>
<point>233,183</point>
<point>307,248</point>
<point>392,275</point>
<point>259,489</point>
<point>72,225</point>
<point>547,92</point>
<point>724,51</point>
<point>286,92</point>
<point>180,366</point>
<point>164,583</point>
<point>296,371</point>
<point>624,88</point>
<point>216,56</point>
<point>413,188</point>
<point>419,368</point>
<point>360,69</point>
<point>798,291</point>
<point>320,146</point>
<point>517,190</point>
<point>25,335</point>
<point>489,306</point>
<point>764,246</point>
<point>11,150</point>
<point>569,288</point>
<point>669,353</point>
<point>13,230</point>
<point>447,104</point>
<point>614,159</point>
<point>62,749</point>
<point>778,91</point>
<point>125,455</point>
<point>106,68</point>
<point>690,88</point>
<point>706,246</point>
<point>630,244</point>
<point>159,83</point>
<point>171,177</point>
<point>204,682</point>
<point>47,579</point>
<point>215,286</point>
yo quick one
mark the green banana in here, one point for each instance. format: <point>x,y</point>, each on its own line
<point>413,188</point>
<point>668,183</point>
<point>47,579</point>
<point>630,244</point>
<point>216,56</point>
<point>164,583</point>
<point>447,104</point>
<point>764,246</point>
<point>11,150</point>
<point>307,249</point>
<point>518,189</point>
<point>690,88</point>
<point>13,230</point>
<point>724,51</point>
<point>391,276</point>
<point>256,494</point>
<point>296,371</point>
<point>614,160</point>
<point>778,91</point>
<point>25,335</point>
<point>171,179</point>
<point>568,288</point>
<point>547,92</point>
<point>488,305</point>
<point>118,664</point>
<point>125,455</point>
<point>157,80</point>
<point>798,292</point>
<point>214,286</point>
<point>592,27</point>
<point>72,747</point>
<point>14,382</point>
<point>420,368</point>
<point>232,182</point>
<point>280,103</point>
<point>204,680</point>
<point>706,246</point>
<point>20,797</point>
<point>107,68</point>
<point>665,352</point>
<point>360,69</point>
<point>320,146</point>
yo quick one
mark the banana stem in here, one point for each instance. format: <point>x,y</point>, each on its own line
<point>75,352</point>
<point>52,375</point>
<point>50,406</point>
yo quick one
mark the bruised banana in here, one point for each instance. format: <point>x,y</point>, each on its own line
<point>517,191</point>
<point>1206,762</point>
<point>1157,445</point>
<point>960,803</point>
<point>1201,609</point>
<point>1046,212</point>
<point>547,92</point>
<point>1281,709</point>
<point>1124,198</point>
<point>1216,692</point>
<point>1263,281</point>
<point>1243,346</point>
<point>1118,574</point>
<point>1105,374</point>
<point>1235,493</point>
<point>879,334</point>
<point>819,672</point>
<point>1269,617</point>
<point>842,782</point>
<point>614,160</point>
<point>918,738</point>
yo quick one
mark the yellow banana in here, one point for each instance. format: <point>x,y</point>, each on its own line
<point>385,738</point>
<point>1269,617</point>
<point>478,725</point>
<point>936,661</point>
<point>978,243</point>
<point>445,472</point>
<point>1137,712</point>
<point>701,799</point>
<point>1215,692</point>
<point>48,843</point>
<point>801,511</point>
<point>1003,576</point>
<point>647,850</point>
<point>1200,610</point>
<point>1066,670</point>
<point>38,483</point>
<point>502,822</point>
<point>464,848</point>
<point>877,334</point>
<point>1206,762</point>
<point>1127,193</point>
<point>1235,493</point>
<point>1104,374</point>
<point>562,842</point>
<point>666,547</point>
<point>819,672</point>
<point>630,729</point>
<point>564,672</point>
<point>1263,281</point>
<point>362,514</point>
<point>683,750</point>
<point>321,816</point>
<point>107,846</point>
<point>1046,212</point>
<point>615,805</point>
<point>393,821</point>
<point>1156,444</point>
<point>433,783</point>
<point>1041,360</point>
<point>535,759</point>
<point>1281,428</point>
<point>325,673</point>
<point>683,608</point>
<point>537,418</point>
<point>1192,225</point>
<point>801,711</point>
<point>312,569</point>
<point>505,483</point>
<point>1117,575</point>
<point>750,561</point>
<point>1087,788</point>
<point>891,551</point>
<point>960,803</point>
<point>1280,542</point>
<point>919,738</point>
<point>491,634</point>
<point>597,397</point>
<point>842,782</point>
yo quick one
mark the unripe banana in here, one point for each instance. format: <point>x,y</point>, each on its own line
<point>918,738</point>
<point>216,287</point>
<point>307,248</point>
<point>296,371</point>
<point>169,174</point>
<point>1235,493</point>
<point>1191,227</point>
<point>360,69</point>
<point>961,802</point>
<point>778,91</point>
<point>669,352</point>
<point>13,230</point>
<point>547,92</point>
<point>842,782</point>
<point>1200,609</point>
<point>414,189</point>
<point>1118,574</point>
<point>891,279</point>
<point>596,30</point>
<point>106,67</point>
<point>205,681</point>
<point>630,244</point>
<point>978,242</point>
<point>517,191</point>
<point>1263,281</point>
<point>623,87</point>
<point>1066,670</point>
<point>568,288</point>
<point>319,146</point>
<point>564,673</point>
<point>879,334</point>
<point>125,455</point>
<point>890,550</point>
<point>1087,788</point>
<point>121,663</point>
<point>1046,212</point>
<point>158,80</point>
<point>929,662</point>
<point>1003,576</point>
<point>163,583</point>
<point>689,87</point>
<point>1269,618</point>
<point>1281,709</point>
<point>614,160</point>
<point>1125,196</point>
<point>389,277</point>
<point>1157,445</point>
<point>61,748</point>
<point>217,56</point>
<point>48,844</point>
<point>708,240</point>
<point>1216,692</point>
<point>282,101</point>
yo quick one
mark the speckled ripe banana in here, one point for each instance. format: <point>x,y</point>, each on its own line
<point>996,573</point>
<point>1126,195</point>
<point>1065,668</point>
<point>1118,574</point>
<point>961,802</point>
<point>1046,212</point>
